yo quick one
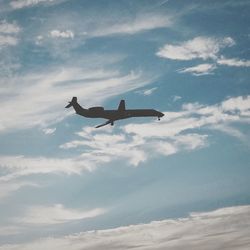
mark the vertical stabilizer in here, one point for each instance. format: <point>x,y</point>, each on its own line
<point>122,106</point>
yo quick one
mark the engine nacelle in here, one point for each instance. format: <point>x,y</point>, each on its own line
<point>96,109</point>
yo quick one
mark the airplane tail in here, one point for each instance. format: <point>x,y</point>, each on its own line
<point>73,101</point>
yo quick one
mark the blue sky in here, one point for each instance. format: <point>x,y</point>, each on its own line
<point>62,177</point>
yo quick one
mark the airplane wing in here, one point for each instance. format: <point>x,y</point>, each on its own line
<point>104,124</point>
<point>122,106</point>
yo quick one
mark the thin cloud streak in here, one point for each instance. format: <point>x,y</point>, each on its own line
<point>49,131</point>
<point>62,34</point>
<point>147,92</point>
<point>208,231</point>
<point>56,214</point>
<point>7,188</point>
<point>21,166</point>
<point>199,70</point>
<point>235,62</point>
<point>140,23</point>
<point>10,230</point>
<point>20,4</point>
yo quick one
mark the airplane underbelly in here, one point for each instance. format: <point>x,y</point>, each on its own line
<point>118,115</point>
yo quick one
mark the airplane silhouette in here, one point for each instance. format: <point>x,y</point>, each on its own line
<point>112,115</point>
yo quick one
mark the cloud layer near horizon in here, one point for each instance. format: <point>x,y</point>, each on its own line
<point>224,229</point>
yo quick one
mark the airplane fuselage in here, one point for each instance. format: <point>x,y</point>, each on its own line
<point>112,115</point>
<point>118,115</point>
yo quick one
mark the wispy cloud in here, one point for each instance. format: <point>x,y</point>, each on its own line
<point>105,147</point>
<point>201,69</point>
<point>10,230</point>
<point>37,99</point>
<point>230,131</point>
<point>147,92</point>
<point>8,33</point>
<point>104,25</point>
<point>6,188</point>
<point>199,47</point>
<point>194,116</point>
<point>62,34</point>
<point>16,166</point>
<point>46,215</point>
<point>207,231</point>
<point>49,131</point>
<point>8,40</point>
<point>142,22</point>
<point>176,98</point>
<point>205,48</point>
<point>9,28</point>
<point>233,62</point>
<point>176,132</point>
<point>19,4</point>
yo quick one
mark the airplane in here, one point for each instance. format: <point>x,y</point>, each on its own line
<point>112,115</point>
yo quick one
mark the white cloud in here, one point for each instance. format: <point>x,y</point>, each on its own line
<point>6,40</point>
<point>225,228</point>
<point>39,40</point>
<point>185,130</point>
<point>9,230</point>
<point>106,147</point>
<point>233,62</point>
<point>199,47</point>
<point>146,92</point>
<point>19,4</point>
<point>49,131</point>
<point>37,99</point>
<point>177,131</point>
<point>201,69</point>
<point>193,116</point>
<point>8,32</point>
<point>230,131</point>
<point>62,34</point>
<point>202,48</point>
<point>101,26</point>
<point>140,23</point>
<point>6,188</point>
<point>238,105</point>
<point>9,28</point>
<point>101,148</point>
<point>20,166</point>
<point>45,215</point>
<point>176,98</point>
<point>65,27</point>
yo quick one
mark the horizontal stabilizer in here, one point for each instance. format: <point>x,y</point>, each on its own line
<point>122,106</point>
<point>69,105</point>
<point>74,100</point>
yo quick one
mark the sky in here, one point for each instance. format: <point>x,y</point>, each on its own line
<point>179,182</point>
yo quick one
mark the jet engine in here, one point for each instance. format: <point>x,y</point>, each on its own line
<point>96,109</point>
